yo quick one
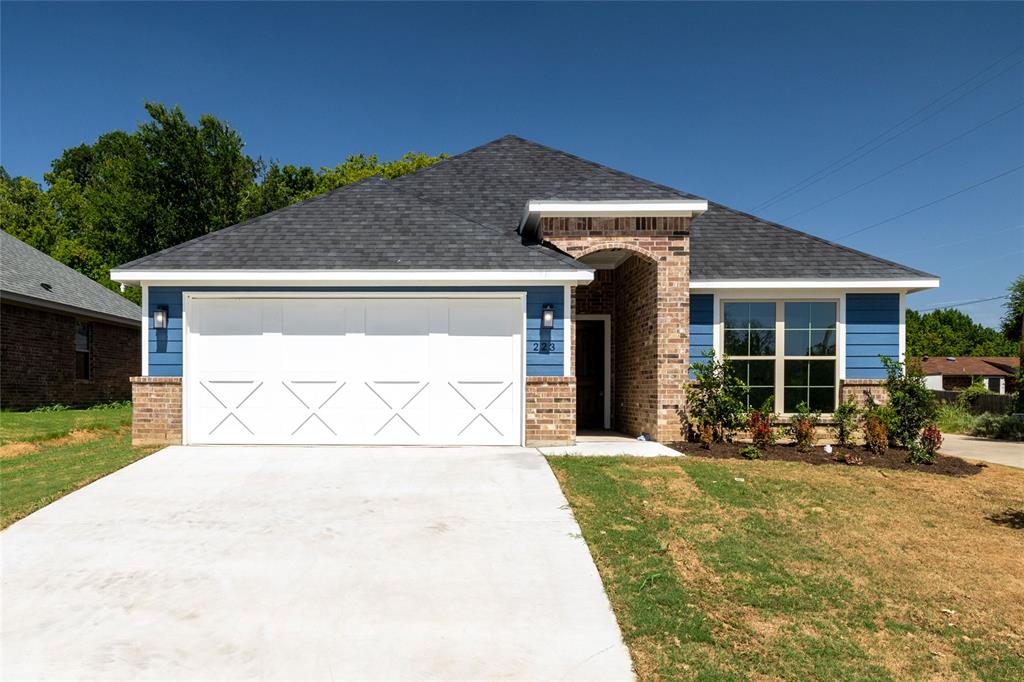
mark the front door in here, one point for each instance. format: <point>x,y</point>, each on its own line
<point>590,369</point>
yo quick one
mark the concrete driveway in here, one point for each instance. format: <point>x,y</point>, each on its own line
<point>289,563</point>
<point>1002,452</point>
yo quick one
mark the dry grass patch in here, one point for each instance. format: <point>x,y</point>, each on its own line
<point>774,570</point>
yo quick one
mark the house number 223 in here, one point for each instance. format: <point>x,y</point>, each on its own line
<point>544,346</point>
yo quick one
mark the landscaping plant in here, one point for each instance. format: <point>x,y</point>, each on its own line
<point>715,400</point>
<point>912,404</point>
<point>969,395</point>
<point>759,424</point>
<point>802,426</point>
<point>751,452</point>
<point>844,421</point>
<point>931,440</point>
<point>876,435</point>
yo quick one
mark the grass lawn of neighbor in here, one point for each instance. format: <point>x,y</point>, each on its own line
<point>46,455</point>
<point>735,570</point>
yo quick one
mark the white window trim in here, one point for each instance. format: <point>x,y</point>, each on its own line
<point>777,357</point>
<point>607,319</point>
<point>567,338</point>
<point>145,331</point>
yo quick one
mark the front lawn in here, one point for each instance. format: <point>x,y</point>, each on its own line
<point>733,570</point>
<point>46,455</point>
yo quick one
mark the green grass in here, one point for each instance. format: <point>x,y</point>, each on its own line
<point>952,418</point>
<point>801,572</point>
<point>41,462</point>
<point>36,426</point>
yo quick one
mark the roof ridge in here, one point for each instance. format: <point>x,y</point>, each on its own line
<point>231,228</point>
<point>500,232</point>
<point>816,238</point>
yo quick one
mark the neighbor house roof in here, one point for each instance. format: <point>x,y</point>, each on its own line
<point>462,213</point>
<point>30,276</point>
<point>971,366</point>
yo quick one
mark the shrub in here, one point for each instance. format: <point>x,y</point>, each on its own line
<point>887,416</point>
<point>844,420</point>
<point>912,403</point>
<point>715,400</point>
<point>751,452</point>
<point>954,418</point>
<point>931,440</point>
<point>112,405</point>
<point>51,408</point>
<point>1002,426</point>
<point>802,426</point>
<point>969,395</point>
<point>759,424</point>
<point>707,436</point>
<point>853,457</point>
<point>916,454</point>
<point>876,435</point>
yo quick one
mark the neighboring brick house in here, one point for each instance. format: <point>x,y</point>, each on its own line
<point>513,294</point>
<point>955,374</point>
<point>64,339</point>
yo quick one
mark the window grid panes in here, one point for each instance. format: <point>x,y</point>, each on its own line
<point>83,334</point>
<point>750,329</point>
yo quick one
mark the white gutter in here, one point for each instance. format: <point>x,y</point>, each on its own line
<point>906,284</point>
<point>617,209</point>
<point>355,277</point>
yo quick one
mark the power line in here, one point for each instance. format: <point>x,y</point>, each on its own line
<point>932,203</point>
<point>989,259</point>
<point>792,189</point>
<point>973,239</point>
<point>906,163</point>
<point>961,304</point>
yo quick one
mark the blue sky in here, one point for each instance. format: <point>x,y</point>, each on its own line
<point>734,102</point>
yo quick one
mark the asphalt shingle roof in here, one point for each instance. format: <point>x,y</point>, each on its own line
<point>24,271</point>
<point>367,225</point>
<point>462,213</point>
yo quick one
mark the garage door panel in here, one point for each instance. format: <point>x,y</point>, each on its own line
<point>355,371</point>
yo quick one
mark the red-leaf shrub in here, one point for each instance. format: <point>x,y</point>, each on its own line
<point>759,424</point>
<point>931,439</point>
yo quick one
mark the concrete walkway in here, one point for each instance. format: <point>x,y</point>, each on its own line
<point>610,444</point>
<point>1002,452</point>
<point>309,563</point>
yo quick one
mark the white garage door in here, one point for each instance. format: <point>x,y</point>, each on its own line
<point>377,371</point>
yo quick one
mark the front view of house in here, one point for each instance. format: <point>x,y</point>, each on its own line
<point>513,294</point>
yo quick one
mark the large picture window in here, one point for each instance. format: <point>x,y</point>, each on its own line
<point>784,350</point>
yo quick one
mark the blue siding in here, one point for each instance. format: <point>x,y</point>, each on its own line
<point>165,345</point>
<point>702,319</point>
<point>872,329</point>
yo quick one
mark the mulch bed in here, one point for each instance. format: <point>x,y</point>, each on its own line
<point>894,458</point>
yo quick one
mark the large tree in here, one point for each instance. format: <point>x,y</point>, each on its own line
<point>946,332</point>
<point>171,180</point>
<point>1013,315</point>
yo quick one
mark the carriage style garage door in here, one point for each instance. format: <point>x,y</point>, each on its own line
<point>387,371</point>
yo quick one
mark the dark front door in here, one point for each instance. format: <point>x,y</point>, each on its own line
<point>589,374</point>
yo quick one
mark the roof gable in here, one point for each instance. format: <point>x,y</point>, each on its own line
<point>26,270</point>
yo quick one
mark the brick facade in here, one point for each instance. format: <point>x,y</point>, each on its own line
<point>864,392</point>
<point>550,410</point>
<point>37,359</point>
<point>648,298</point>
<point>156,410</point>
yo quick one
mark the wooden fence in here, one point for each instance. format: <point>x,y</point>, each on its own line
<point>992,402</point>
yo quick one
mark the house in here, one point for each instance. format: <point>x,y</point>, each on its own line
<point>956,374</point>
<point>64,339</point>
<point>511,294</point>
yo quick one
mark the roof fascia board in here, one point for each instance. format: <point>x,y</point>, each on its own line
<point>32,302</point>
<point>617,209</point>
<point>908,285</point>
<point>355,277</point>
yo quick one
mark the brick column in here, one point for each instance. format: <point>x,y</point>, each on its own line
<point>156,410</point>
<point>550,411</point>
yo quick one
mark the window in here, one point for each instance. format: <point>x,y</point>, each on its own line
<point>749,335</point>
<point>83,337</point>
<point>785,350</point>
<point>994,384</point>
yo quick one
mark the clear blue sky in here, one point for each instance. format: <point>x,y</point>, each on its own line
<point>733,102</point>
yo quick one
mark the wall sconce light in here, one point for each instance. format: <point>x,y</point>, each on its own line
<point>160,318</point>
<point>547,316</point>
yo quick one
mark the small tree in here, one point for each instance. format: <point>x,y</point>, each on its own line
<point>714,402</point>
<point>845,419</point>
<point>913,405</point>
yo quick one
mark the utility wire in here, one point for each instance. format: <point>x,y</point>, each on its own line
<point>792,189</point>
<point>989,259</point>
<point>961,304</point>
<point>973,239</point>
<point>905,163</point>
<point>932,203</point>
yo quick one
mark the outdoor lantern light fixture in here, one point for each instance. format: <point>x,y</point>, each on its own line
<point>547,316</point>
<point>160,318</point>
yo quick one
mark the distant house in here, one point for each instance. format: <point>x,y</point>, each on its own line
<point>956,374</point>
<point>63,337</point>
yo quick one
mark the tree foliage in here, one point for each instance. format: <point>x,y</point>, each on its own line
<point>946,332</point>
<point>1013,312</point>
<point>130,194</point>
